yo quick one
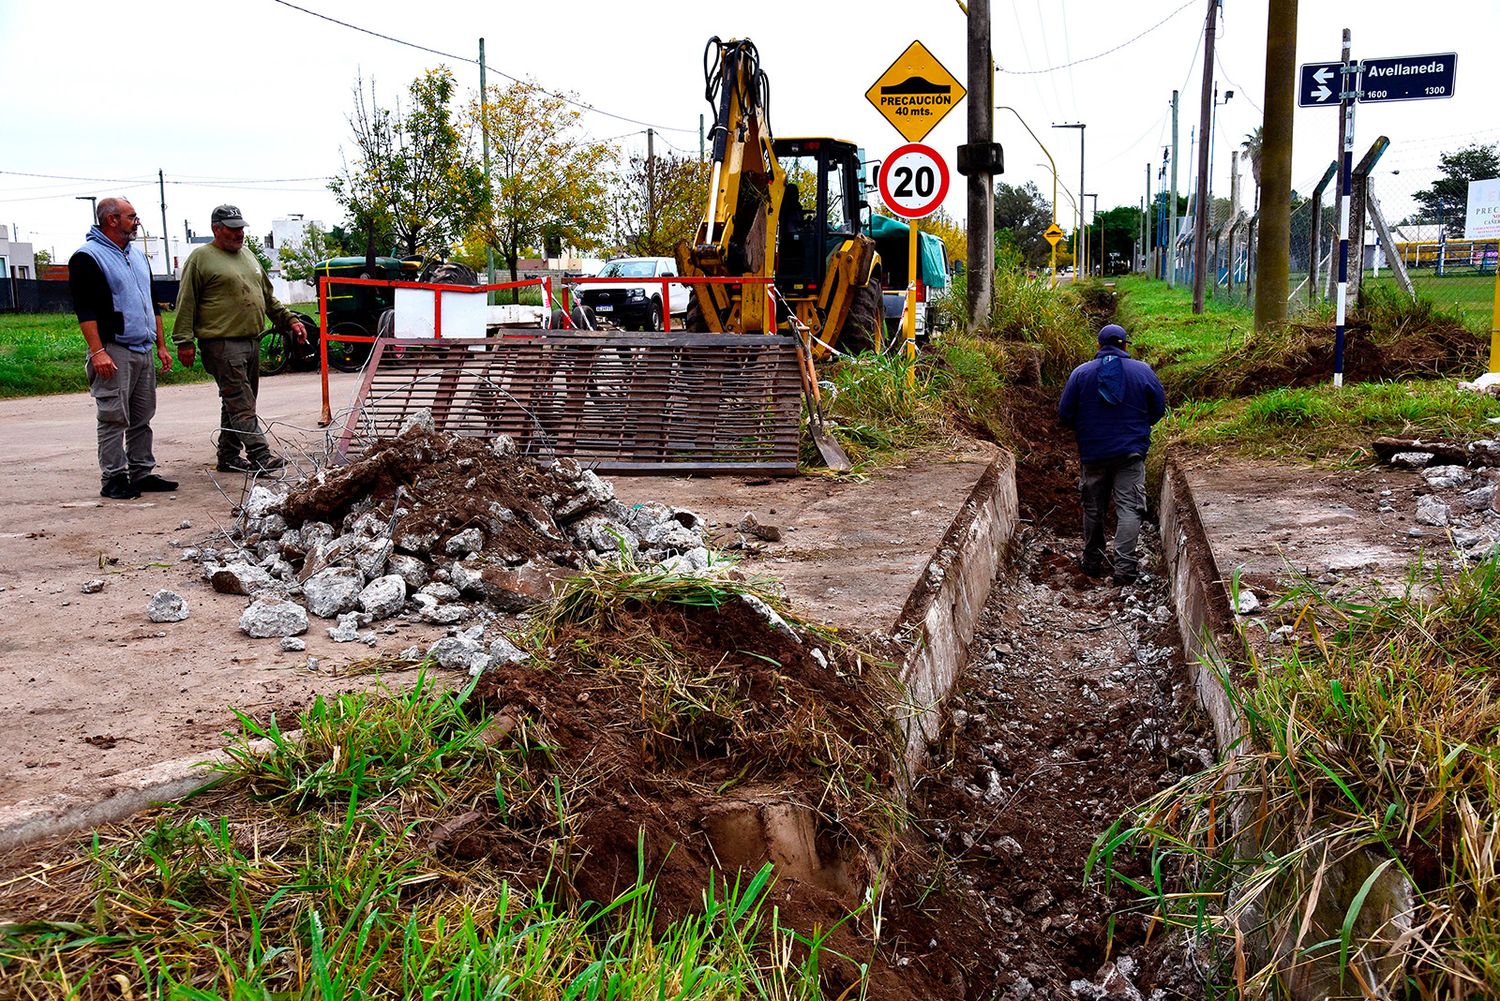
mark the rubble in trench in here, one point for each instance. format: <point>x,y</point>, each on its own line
<point>428,527</point>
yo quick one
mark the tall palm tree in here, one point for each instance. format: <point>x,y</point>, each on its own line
<point>1251,146</point>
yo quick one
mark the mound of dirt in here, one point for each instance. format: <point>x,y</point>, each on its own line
<point>1303,356</point>
<point>697,739</point>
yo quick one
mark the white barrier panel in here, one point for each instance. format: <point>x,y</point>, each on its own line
<point>463,314</point>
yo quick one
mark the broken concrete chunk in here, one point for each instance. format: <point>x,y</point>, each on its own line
<point>1432,511</point>
<point>418,419</point>
<point>468,579</point>
<point>239,578</point>
<point>445,615</point>
<point>503,651</point>
<point>347,631</point>
<point>1446,477</point>
<point>1245,602</point>
<point>751,525</point>
<point>1480,497</point>
<point>93,586</point>
<point>691,563</point>
<point>383,596</point>
<point>272,616</point>
<point>292,644</point>
<point>262,501</point>
<point>458,653</point>
<point>439,591</point>
<point>672,535</point>
<point>416,543</point>
<point>593,492</point>
<point>1411,460</point>
<point>333,590</point>
<point>411,569</point>
<point>371,557</point>
<point>503,445</point>
<point>470,540</point>
<point>515,589</point>
<point>167,606</point>
<point>600,533</point>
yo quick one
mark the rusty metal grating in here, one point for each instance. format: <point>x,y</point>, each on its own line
<point>618,403</point>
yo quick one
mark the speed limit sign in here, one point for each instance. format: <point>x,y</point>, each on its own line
<point>914,180</point>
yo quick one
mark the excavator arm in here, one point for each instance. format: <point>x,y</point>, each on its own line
<point>737,237</point>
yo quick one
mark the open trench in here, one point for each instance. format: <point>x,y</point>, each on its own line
<point>1074,706</point>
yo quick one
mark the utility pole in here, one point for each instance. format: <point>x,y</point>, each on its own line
<point>1273,248</point>
<point>1080,236</point>
<point>1205,111</point>
<point>1145,223</point>
<point>484,145</point>
<point>166,252</point>
<point>981,189</point>
<point>1172,206</point>
<point>1346,169</point>
<point>651,188</point>
<point>93,201</point>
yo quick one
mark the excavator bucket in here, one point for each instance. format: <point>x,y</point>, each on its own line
<point>618,403</point>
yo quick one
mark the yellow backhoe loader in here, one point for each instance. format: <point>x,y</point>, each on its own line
<point>791,210</point>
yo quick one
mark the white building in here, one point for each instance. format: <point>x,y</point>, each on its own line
<point>17,260</point>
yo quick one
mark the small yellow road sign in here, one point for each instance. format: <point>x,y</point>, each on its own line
<point>1054,234</point>
<point>915,93</point>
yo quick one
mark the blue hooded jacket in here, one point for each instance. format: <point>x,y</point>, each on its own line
<point>1111,404</point>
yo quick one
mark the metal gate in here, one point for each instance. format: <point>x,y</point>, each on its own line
<point>618,403</point>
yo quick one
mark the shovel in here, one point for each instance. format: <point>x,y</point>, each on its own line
<point>834,456</point>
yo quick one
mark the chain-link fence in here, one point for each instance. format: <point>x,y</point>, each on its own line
<point>1406,239</point>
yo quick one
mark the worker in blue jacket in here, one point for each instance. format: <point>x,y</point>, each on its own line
<point>1111,403</point>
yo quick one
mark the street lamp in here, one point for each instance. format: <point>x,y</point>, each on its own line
<point>93,207</point>
<point>1080,126</point>
<point>1013,111</point>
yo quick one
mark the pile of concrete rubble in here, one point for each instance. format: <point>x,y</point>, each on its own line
<point>434,528</point>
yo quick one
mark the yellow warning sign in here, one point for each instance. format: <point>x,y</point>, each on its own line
<point>915,93</point>
<point>1053,234</point>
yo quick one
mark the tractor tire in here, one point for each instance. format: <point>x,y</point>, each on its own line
<point>692,320</point>
<point>865,311</point>
<point>347,356</point>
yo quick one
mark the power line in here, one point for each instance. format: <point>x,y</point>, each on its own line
<point>1087,59</point>
<point>465,59</point>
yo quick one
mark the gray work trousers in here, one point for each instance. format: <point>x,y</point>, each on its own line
<point>1124,479</point>
<point>235,365</point>
<point>126,402</point>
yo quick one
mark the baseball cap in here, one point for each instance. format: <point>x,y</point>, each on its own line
<point>1113,332</point>
<point>228,215</point>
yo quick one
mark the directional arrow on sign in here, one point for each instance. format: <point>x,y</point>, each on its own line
<point>1314,91</point>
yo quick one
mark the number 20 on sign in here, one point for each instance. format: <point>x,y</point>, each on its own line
<point>914,180</point>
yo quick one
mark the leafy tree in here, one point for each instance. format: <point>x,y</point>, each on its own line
<point>1026,214</point>
<point>1114,232</point>
<point>298,259</point>
<point>654,205</point>
<point>549,184</point>
<point>42,258</point>
<point>1251,146</point>
<point>413,173</point>
<point>1448,197</point>
<point>258,248</point>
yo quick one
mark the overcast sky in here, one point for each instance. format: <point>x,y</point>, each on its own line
<point>229,100</point>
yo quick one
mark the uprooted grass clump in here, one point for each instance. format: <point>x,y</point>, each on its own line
<point>543,826</point>
<point>878,405</point>
<point>1351,844</point>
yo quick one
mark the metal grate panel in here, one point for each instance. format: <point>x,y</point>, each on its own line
<point>618,403</point>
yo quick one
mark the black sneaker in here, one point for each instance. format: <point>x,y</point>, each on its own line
<point>269,463</point>
<point>119,487</point>
<point>1124,577</point>
<point>151,483</point>
<point>1092,568</point>
<point>234,464</point>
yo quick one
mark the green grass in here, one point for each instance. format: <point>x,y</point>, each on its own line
<point>43,353</point>
<point>1165,331</point>
<point>310,874</point>
<point>1368,770</point>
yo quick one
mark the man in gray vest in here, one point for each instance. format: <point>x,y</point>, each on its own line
<point>111,285</point>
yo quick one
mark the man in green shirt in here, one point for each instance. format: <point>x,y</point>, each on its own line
<point>223,304</point>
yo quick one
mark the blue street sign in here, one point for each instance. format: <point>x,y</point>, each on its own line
<point>1319,85</point>
<point>1408,78</point>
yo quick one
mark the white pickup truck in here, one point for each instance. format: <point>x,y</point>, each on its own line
<point>636,306</point>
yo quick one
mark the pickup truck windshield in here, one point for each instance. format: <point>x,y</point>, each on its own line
<point>629,269</point>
